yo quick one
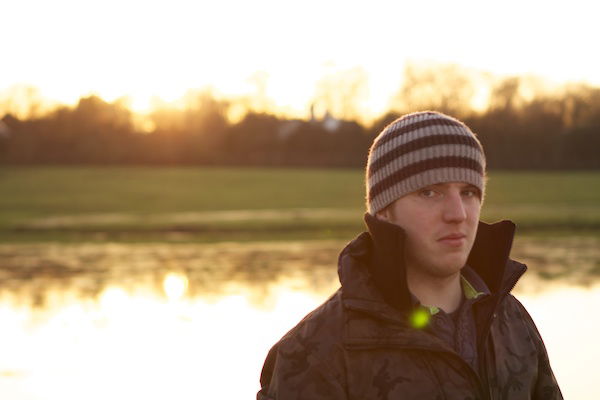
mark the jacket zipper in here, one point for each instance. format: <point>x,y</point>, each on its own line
<point>514,278</point>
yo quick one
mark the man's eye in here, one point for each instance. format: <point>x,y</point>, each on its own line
<point>427,193</point>
<point>470,193</point>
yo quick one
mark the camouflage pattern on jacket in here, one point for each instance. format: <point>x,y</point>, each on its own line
<point>359,344</point>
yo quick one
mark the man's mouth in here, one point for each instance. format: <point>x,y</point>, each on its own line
<point>453,239</point>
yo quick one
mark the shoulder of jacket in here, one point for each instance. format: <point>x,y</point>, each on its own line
<point>315,342</point>
<point>321,320</point>
<point>311,347</point>
<point>319,331</point>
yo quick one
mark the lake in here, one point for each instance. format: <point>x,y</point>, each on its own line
<point>185,321</point>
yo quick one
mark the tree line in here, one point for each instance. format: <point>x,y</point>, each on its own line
<point>519,127</point>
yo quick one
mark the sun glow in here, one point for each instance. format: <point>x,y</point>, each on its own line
<point>147,50</point>
<point>175,286</point>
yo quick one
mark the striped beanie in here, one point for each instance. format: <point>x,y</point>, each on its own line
<point>418,150</point>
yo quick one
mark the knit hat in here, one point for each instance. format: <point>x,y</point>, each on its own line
<point>418,150</point>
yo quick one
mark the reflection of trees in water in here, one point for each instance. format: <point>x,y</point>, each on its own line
<point>32,273</point>
<point>35,274</point>
<point>571,259</point>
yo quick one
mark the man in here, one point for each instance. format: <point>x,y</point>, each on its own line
<point>424,310</point>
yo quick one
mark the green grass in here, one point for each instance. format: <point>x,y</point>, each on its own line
<point>545,200</point>
<point>58,191</point>
<point>94,203</point>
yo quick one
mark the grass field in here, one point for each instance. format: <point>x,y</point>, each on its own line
<point>212,204</point>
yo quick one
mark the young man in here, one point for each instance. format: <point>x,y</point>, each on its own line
<point>424,310</point>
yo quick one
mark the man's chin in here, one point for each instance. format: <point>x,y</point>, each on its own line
<point>452,266</point>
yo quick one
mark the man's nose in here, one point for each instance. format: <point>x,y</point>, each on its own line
<point>454,208</point>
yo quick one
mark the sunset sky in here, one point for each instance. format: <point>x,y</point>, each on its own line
<point>159,49</point>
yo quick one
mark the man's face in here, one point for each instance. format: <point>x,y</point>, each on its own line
<point>440,222</point>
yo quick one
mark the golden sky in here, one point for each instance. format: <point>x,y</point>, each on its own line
<point>146,49</point>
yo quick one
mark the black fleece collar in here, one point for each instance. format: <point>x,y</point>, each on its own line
<point>488,258</point>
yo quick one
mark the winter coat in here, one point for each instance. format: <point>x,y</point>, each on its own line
<point>361,344</point>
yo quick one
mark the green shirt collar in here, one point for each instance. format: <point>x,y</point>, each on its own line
<point>468,290</point>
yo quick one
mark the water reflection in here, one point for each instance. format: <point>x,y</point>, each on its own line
<point>39,273</point>
<point>175,285</point>
<point>190,322</point>
<point>136,345</point>
<point>568,319</point>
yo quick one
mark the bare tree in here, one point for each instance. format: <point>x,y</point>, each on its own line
<point>444,87</point>
<point>341,94</point>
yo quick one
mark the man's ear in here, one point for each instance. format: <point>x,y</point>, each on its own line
<point>383,215</point>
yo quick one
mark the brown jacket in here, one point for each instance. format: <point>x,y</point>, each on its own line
<point>360,343</point>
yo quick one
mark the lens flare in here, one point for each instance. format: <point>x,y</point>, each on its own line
<point>419,318</point>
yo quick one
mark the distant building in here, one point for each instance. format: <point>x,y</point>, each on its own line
<point>330,124</point>
<point>289,127</point>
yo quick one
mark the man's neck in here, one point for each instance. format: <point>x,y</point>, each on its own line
<point>444,293</point>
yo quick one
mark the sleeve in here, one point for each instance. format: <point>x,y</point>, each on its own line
<point>294,374</point>
<point>546,386</point>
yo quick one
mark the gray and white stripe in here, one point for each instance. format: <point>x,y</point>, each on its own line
<point>418,150</point>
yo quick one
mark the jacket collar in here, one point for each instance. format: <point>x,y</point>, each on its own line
<point>373,273</point>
